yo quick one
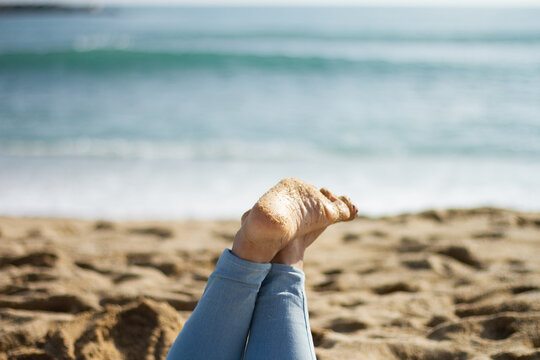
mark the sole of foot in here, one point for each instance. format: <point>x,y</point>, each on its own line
<point>292,209</point>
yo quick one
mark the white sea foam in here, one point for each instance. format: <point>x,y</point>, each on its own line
<point>179,189</point>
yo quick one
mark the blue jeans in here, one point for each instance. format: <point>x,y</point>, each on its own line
<point>265,301</point>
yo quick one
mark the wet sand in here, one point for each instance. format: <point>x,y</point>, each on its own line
<point>452,284</point>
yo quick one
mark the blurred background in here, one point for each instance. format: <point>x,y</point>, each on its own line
<point>140,112</point>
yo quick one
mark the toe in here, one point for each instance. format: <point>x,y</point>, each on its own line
<point>353,210</point>
<point>328,194</point>
<point>343,209</point>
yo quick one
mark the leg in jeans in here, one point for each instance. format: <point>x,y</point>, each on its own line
<point>219,325</point>
<point>278,228</point>
<point>280,325</point>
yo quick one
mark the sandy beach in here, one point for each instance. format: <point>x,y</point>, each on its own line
<point>452,284</point>
<point>160,112</point>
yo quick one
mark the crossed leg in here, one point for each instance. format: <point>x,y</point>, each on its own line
<point>245,290</point>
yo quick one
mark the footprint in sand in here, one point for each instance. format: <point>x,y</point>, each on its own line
<point>136,331</point>
<point>158,231</point>
<point>523,303</point>
<point>167,267</point>
<point>54,303</point>
<point>346,325</point>
<point>532,355</point>
<point>390,288</point>
<point>524,327</point>
<point>39,259</point>
<point>461,254</point>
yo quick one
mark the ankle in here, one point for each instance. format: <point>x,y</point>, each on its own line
<point>292,254</point>
<point>247,250</point>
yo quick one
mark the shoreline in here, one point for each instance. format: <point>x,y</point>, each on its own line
<point>445,284</point>
<point>428,212</point>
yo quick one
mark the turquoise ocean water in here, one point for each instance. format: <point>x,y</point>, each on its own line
<point>194,112</point>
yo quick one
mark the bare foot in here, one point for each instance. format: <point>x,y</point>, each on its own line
<point>291,210</point>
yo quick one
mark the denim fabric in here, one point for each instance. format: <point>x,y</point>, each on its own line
<point>266,300</point>
<point>219,325</point>
<point>280,325</point>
